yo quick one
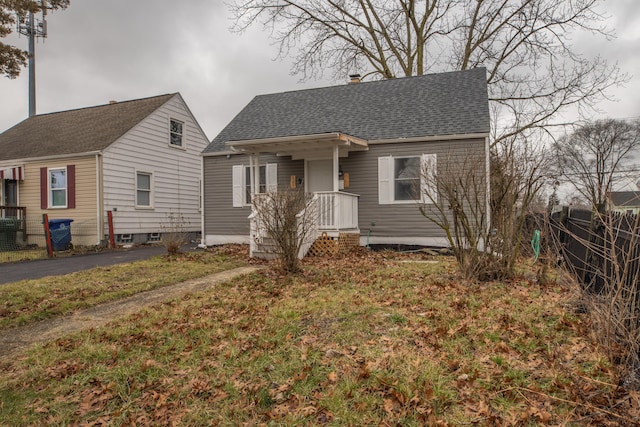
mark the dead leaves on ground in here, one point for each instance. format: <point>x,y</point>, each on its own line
<point>369,338</point>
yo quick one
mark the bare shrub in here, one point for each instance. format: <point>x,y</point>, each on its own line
<point>485,234</point>
<point>285,221</point>
<point>174,232</point>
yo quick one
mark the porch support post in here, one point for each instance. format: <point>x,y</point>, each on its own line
<point>336,156</point>
<point>256,173</point>
<point>251,173</point>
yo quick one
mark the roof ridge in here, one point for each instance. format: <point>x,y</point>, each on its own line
<point>381,81</point>
<point>104,105</point>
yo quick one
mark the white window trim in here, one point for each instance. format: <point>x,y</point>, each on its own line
<point>239,182</point>
<point>184,134</point>
<point>50,190</point>
<point>386,180</point>
<point>151,190</point>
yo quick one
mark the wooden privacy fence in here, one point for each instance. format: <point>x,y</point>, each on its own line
<point>599,248</point>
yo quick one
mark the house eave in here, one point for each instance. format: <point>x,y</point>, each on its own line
<point>54,157</point>
<point>221,153</point>
<point>299,146</point>
<point>428,138</point>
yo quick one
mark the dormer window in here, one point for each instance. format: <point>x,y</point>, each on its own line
<point>176,135</point>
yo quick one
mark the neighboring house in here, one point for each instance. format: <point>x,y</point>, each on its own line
<point>358,146</point>
<point>139,159</point>
<point>625,201</point>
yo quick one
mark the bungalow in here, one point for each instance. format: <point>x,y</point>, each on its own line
<point>358,147</point>
<point>139,159</point>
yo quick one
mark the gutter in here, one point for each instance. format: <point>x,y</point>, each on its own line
<point>480,135</point>
<point>54,157</point>
<point>99,225</point>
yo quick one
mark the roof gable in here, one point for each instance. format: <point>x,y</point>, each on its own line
<point>451,103</point>
<point>76,131</point>
<point>625,198</point>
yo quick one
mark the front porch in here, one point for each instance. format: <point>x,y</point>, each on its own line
<point>335,210</point>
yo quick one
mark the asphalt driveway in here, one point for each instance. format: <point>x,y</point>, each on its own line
<point>12,272</point>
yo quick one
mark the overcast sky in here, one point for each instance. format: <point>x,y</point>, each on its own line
<point>100,50</point>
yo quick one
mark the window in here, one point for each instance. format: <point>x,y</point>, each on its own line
<point>143,190</point>
<point>58,188</point>
<point>403,180</point>
<point>241,182</point>
<point>247,179</point>
<point>176,132</point>
<point>406,178</point>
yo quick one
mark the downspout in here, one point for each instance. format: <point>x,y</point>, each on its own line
<point>202,235</point>
<point>488,172</point>
<point>99,219</point>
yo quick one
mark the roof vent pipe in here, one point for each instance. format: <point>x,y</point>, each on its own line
<point>355,78</point>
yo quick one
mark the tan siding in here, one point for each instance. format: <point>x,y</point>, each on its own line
<point>84,214</point>
<point>176,172</point>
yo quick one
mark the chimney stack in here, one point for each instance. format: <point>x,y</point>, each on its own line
<point>112,102</point>
<point>355,78</point>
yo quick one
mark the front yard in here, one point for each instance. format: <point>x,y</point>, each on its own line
<point>371,339</point>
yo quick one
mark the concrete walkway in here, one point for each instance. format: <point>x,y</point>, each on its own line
<point>13,341</point>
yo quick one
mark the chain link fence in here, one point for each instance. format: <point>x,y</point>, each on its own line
<point>24,238</point>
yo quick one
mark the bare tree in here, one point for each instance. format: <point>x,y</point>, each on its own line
<point>598,156</point>
<point>12,59</point>
<point>285,222</point>
<point>533,72</point>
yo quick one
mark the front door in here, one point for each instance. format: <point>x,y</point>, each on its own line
<point>10,193</point>
<point>319,175</point>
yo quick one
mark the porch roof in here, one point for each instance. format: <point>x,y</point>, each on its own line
<point>302,146</point>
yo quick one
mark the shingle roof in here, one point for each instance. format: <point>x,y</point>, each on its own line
<point>435,104</point>
<point>75,131</point>
<point>625,198</point>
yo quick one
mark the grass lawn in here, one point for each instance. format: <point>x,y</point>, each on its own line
<point>371,339</point>
<point>32,300</point>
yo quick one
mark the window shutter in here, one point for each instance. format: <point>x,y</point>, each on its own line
<point>385,181</point>
<point>429,190</point>
<point>272,177</point>
<point>44,189</point>
<point>237,177</point>
<point>71,186</point>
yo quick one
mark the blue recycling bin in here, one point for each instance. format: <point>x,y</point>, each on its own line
<point>60,230</point>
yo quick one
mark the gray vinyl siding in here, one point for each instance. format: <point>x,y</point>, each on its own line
<point>175,172</point>
<point>221,218</point>
<point>391,221</point>
<point>398,220</point>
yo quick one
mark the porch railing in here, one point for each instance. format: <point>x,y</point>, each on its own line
<point>306,223</point>
<point>337,210</point>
